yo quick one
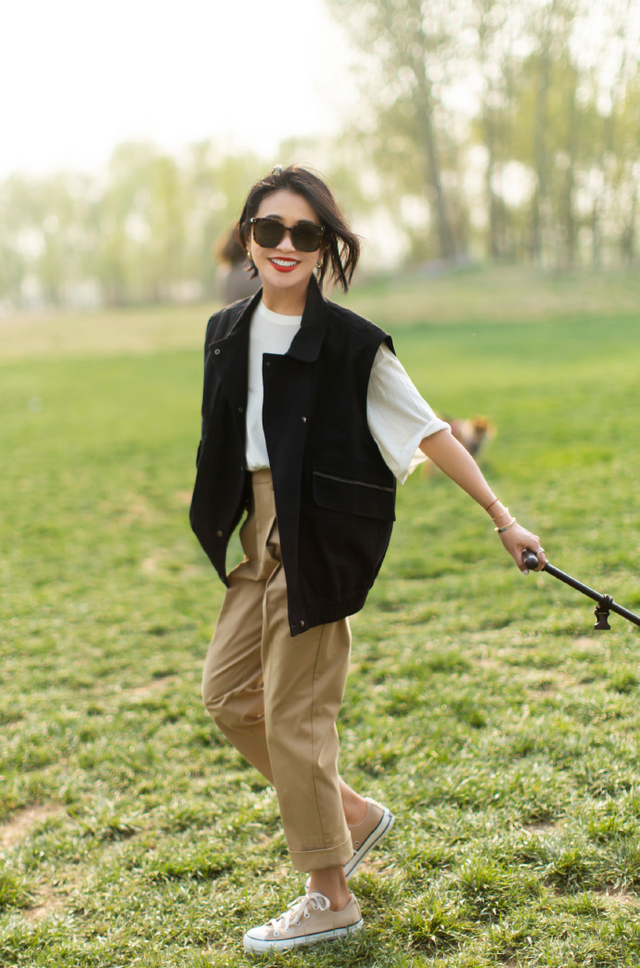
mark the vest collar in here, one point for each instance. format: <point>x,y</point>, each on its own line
<point>307,342</point>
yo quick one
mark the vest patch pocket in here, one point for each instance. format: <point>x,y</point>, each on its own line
<point>350,496</point>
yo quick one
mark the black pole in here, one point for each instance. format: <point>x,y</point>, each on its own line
<point>530,560</point>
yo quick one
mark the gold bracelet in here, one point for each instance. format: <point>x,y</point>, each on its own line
<point>502,513</point>
<point>506,527</point>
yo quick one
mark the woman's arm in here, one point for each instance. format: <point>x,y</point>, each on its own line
<point>458,464</point>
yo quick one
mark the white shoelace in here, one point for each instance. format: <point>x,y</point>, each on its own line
<point>297,910</point>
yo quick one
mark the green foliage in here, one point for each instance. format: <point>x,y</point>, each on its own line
<point>481,706</point>
<point>143,233</point>
<point>550,176</point>
<point>13,893</point>
<point>485,130</point>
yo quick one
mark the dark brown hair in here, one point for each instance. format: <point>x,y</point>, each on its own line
<point>229,250</point>
<point>342,246</point>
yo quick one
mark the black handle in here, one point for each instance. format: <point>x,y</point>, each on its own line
<point>529,559</point>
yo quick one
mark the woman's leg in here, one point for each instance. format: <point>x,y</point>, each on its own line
<point>306,676</point>
<point>304,679</point>
<point>354,806</point>
<point>232,681</point>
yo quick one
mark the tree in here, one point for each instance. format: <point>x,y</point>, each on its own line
<point>629,161</point>
<point>406,44</point>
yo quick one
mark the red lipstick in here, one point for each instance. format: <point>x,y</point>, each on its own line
<point>287,268</point>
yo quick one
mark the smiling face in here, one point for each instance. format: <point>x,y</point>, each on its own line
<point>285,270</point>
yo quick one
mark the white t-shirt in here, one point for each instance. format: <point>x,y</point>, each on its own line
<point>270,333</point>
<point>397,415</point>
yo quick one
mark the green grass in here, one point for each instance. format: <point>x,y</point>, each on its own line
<point>482,707</point>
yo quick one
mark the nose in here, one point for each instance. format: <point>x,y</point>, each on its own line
<point>285,242</point>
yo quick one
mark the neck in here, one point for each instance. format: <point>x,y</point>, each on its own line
<point>287,302</point>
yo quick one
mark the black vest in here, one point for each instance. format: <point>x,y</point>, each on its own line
<point>334,494</point>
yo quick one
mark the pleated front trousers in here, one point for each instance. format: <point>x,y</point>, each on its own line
<point>277,698</point>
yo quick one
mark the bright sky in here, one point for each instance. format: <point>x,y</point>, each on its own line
<point>79,77</point>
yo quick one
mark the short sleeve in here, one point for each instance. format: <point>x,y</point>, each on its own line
<point>398,417</point>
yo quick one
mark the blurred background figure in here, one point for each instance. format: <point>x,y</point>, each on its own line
<point>233,279</point>
<point>473,433</point>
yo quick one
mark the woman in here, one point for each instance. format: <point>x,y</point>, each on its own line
<point>308,420</point>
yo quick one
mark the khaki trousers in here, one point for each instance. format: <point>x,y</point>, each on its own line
<point>277,698</point>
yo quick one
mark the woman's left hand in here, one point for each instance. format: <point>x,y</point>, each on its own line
<point>518,540</point>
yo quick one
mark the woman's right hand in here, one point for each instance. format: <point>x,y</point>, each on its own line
<point>517,540</point>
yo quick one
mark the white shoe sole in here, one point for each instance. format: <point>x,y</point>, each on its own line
<point>260,946</point>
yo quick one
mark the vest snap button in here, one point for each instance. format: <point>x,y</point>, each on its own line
<point>304,419</point>
<point>221,534</point>
<point>240,409</point>
<point>217,352</point>
<point>301,622</point>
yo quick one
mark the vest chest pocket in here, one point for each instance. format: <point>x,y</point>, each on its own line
<point>350,496</point>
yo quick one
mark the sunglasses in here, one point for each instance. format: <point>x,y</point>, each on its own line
<point>305,236</point>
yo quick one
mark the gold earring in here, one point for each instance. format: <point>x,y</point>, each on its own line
<point>249,255</point>
<point>319,265</point>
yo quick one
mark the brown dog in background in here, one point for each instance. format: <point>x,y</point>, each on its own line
<point>473,433</point>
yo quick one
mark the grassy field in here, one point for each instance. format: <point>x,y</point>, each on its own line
<point>482,707</point>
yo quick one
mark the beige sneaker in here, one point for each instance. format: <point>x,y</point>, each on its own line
<point>307,920</point>
<point>378,821</point>
<point>366,834</point>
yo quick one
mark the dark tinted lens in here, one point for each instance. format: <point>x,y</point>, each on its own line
<point>268,233</point>
<point>306,237</point>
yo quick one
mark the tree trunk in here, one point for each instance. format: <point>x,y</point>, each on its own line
<point>569,217</point>
<point>427,128</point>
<point>628,239</point>
<point>540,159</point>
<point>433,174</point>
<point>596,241</point>
<point>491,200</point>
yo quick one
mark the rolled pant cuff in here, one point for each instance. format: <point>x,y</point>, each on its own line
<point>315,860</point>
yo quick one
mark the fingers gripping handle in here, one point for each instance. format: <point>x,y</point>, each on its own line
<point>529,559</point>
